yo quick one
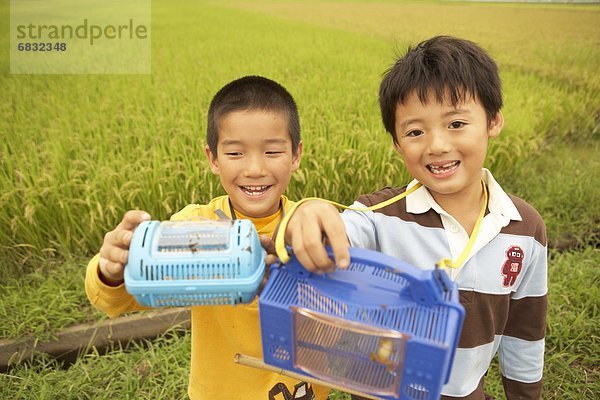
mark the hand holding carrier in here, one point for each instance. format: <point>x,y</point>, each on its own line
<point>381,327</point>
<point>188,263</point>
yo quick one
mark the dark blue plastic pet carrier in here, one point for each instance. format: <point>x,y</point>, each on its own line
<point>381,327</point>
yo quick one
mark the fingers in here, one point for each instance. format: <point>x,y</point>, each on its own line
<point>271,259</point>
<point>119,238</point>
<point>335,232</point>
<point>112,261</point>
<point>114,252</point>
<point>308,246</point>
<point>267,243</point>
<point>132,219</point>
<point>116,246</point>
<point>113,272</point>
<point>313,222</point>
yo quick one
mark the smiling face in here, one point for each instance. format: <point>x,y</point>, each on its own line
<point>444,146</point>
<point>254,160</point>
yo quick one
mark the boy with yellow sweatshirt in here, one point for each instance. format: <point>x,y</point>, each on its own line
<point>253,145</point>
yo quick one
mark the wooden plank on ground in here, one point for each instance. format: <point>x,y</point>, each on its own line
<point>82,338</point>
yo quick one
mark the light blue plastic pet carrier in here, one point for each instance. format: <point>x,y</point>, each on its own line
<point>194,263</point>
<point>381,327</point>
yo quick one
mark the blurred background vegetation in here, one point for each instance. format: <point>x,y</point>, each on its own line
<point>77,151</point>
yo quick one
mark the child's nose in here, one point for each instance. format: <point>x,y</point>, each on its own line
<point>255,167</point>
<point>439,142</point>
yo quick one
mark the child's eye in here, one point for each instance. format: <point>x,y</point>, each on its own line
<point>414,133</point>
<point>457,124</point>
<point>273,152</point>
<point>233,154</point>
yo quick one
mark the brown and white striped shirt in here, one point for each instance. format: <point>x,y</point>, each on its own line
<point>503,282</point>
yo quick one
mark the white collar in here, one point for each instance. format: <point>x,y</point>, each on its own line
<point>499,203</point>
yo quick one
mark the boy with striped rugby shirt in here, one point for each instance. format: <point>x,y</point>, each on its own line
<point>441,103</point>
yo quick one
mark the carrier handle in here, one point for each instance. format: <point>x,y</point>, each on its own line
<point>426,286</point>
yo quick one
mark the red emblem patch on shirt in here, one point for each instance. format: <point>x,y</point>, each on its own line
<point>512,265</point>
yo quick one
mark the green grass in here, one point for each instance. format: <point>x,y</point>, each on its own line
<point>160,370</point>
<point>517,35</point>
<point>573,336</point>
<point>564,186</point>
<point>42,302</point>
<point>76,152</point>
<point>81,150</point>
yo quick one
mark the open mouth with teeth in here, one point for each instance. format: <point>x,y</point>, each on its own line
<point>443,168</point>
<point>255,190</point>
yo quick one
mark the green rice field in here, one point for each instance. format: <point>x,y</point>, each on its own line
<point>77,151</point>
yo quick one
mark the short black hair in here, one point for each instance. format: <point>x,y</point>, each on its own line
<point>442,65</point>
<point>252,93</point>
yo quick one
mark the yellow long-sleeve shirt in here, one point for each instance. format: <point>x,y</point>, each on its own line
<point>218,332</point>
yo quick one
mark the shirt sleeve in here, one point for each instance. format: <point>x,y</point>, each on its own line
<point>360,228</point>
<point>113,301</point>
<point>521,351</point>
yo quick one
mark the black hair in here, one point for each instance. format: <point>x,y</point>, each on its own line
<point>252,93</point>
<point>441,66</point>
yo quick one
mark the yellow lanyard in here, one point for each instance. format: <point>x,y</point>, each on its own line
<point>443,263</point>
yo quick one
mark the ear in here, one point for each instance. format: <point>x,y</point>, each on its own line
<point>496,125</point>
<point>213,163</point>
<point>296,157</point>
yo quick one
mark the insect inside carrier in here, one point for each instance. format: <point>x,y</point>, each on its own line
<point>208,262</point>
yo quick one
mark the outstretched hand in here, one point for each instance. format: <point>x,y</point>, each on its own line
<point>313,223</point>
<point>115,248</point>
